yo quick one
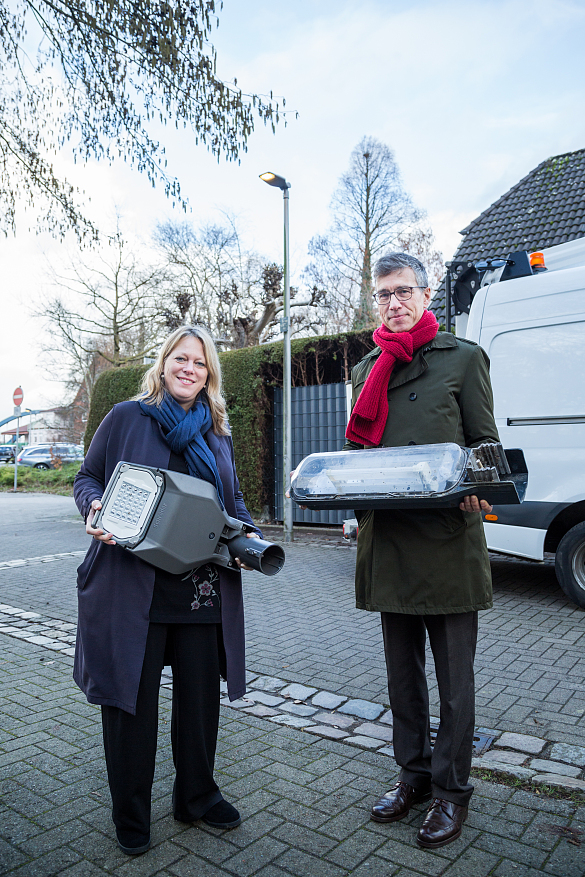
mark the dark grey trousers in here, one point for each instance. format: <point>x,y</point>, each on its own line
<point>453,640</point>
<point>130,741</point>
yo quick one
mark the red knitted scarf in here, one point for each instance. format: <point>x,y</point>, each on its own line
<point>370,412</point>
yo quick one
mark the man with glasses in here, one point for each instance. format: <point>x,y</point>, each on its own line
<point>425,570</point>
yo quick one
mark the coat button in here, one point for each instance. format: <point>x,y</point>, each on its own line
<point>412,397</point>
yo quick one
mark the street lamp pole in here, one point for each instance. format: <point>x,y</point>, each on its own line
<point>281,183</point>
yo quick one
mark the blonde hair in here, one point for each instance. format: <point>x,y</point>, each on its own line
<point>153,388</point>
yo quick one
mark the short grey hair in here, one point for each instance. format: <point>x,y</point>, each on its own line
<point>396,262</point>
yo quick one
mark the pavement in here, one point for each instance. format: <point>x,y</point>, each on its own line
<point>309,749</point>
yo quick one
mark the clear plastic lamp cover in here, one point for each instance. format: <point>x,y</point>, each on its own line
<point>375,473</point>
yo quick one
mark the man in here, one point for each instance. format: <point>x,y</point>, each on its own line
<point>425,570</point>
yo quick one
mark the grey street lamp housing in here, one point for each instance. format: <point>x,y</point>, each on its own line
<point>175,522</point>
<point>275,180</point>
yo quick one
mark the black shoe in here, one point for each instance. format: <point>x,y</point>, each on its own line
<point>442,824</point>
<point>396,803</point>
<point>126,843</point>
<point>222,815</point>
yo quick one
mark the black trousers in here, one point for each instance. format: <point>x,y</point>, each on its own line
<point>453,640</point>
<point>130,741</point>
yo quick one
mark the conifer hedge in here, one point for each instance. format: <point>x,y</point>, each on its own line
<point>249,374</point>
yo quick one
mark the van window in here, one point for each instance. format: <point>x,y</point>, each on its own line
<point>538,372</point>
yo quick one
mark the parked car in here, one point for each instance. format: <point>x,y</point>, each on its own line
<point>7,453</point>
<point>44,456</point>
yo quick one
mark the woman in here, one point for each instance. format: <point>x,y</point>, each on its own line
<point>134,619</point>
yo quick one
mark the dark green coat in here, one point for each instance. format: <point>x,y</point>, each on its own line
<point>428,561</point>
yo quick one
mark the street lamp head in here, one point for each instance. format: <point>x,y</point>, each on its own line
<point>275,180</point>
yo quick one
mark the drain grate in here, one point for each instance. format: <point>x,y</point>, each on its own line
<point>481,741</point>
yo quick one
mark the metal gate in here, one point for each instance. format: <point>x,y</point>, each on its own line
<point>319,418</point>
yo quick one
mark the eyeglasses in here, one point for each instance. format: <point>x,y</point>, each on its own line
<point>403,293</point>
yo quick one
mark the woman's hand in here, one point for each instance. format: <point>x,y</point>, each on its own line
<point>473,504</point>
<point>239,562</point>
<point>98,534</point>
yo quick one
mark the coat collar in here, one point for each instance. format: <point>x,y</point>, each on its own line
<point>441,340</point>
<point>411,370</point>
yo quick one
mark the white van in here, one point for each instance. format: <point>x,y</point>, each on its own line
<point>533,330</point>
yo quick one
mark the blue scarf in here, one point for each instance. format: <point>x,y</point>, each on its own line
<point>184,433</point>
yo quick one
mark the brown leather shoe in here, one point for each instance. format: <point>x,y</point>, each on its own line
<point>442,824</point>
<point>396,803</point>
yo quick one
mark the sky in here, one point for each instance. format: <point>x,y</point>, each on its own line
<point>470,94</point>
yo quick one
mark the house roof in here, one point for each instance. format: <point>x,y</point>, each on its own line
<point>546,208</point>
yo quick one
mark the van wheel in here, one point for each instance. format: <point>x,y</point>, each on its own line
<point>570,564</point>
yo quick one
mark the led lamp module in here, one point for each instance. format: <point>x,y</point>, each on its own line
<point>175,522</point>
<point>422,476</point>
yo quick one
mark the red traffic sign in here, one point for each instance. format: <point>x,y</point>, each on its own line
<point>18,396</point>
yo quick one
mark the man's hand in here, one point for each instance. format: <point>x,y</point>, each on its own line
<point>473,504</point>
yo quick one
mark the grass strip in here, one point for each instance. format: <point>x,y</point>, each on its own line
<point>31,480</point>
<point>506,779</point>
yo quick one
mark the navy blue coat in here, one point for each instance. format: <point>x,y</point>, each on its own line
<point>115,588</point>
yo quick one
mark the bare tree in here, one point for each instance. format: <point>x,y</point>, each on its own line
<point>420,242</point>
<point>214,280</point>
<point>371,210</point>
<point>98,74</point>
<point>105,314</point>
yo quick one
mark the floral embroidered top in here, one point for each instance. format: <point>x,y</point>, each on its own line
<point>186,598</point>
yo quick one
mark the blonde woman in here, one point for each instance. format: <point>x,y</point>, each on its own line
<point>134,619</point>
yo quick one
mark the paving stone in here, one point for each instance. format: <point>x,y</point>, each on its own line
<point>255,856</point>
<point>408,855</point>
<point>522,773</point>
<point>387,718</point>
<point>567,752</point>
<point>503,755</point>
<point>507,868</point>
<point>381,732</point>
<point>291,721</point>
<point>387,750</point>
<point>522,742</point>
<point>267,683</point>
<point>474,863</point>
<point>334,719</point>
<point>542,765</point>
<point>298,692</point>
<point>364,742</point>
<point>511,849</point>
<point>302,838</point>
<point>364,709</point>
<point>355,849</point>
<point>327,731</point>
<point>83,869</point>
<point>551,779</point>
<point>298,709</point>
<point>376,867</point>
<point>263,712</point>
<point>327,700</point>
<point>194,866</point>
<point>302,864</point>
<point>263,697</point>
<point>10,857</point>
